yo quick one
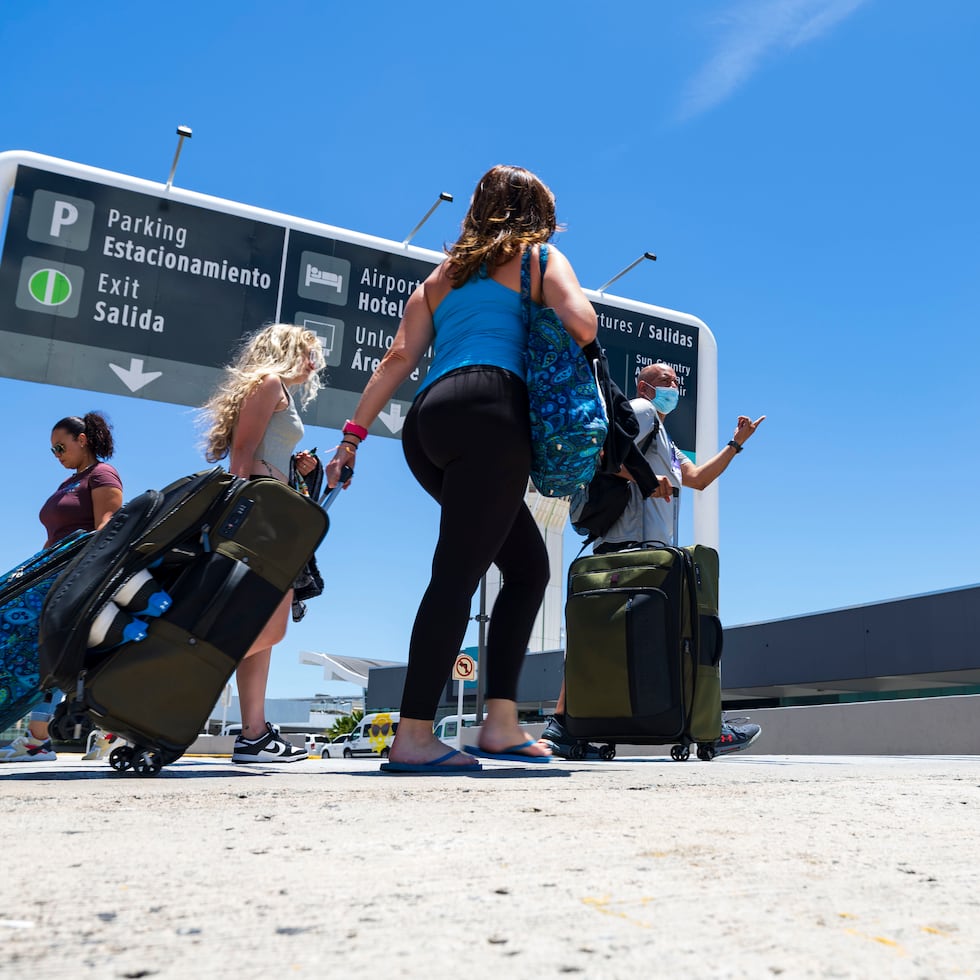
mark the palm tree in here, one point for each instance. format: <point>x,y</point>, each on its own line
<point>345,724</point>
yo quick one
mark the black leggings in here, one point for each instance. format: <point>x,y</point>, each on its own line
<point>468,443</point>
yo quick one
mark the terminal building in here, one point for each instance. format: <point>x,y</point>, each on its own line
<point>900,677</point>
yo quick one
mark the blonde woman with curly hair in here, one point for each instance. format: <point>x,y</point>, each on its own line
<point>253,420</point>
<point>467,440</point>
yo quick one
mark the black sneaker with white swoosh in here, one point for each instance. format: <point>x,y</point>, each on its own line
<point>271,747</point>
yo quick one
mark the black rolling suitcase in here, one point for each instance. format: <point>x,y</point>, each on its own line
<point>643,650</point>
<point>22,593</point>
<point>222,551</point>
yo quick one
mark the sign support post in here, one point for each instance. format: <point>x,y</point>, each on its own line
<point>459,713</point>
<point>464,669</point>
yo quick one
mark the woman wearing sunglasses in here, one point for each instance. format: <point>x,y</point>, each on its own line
<point>93,493</point>
<point>83,502</point>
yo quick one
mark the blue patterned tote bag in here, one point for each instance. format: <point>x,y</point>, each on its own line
<point>568,417</point>
<point>22,594</point>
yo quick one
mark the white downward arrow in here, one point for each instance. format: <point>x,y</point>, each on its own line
<point>134,377</point>
<point>393,419</point>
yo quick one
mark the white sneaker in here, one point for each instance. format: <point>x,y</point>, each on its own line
<point>27,748</point>
<point>271,747</point>
<point>99,745</point>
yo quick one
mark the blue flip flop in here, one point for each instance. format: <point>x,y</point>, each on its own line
<point>512,754</point>
<point>433,768</point>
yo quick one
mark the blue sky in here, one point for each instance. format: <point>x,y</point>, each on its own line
<point>805,171</point>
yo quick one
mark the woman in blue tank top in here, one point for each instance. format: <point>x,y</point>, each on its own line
<point>467,441</point>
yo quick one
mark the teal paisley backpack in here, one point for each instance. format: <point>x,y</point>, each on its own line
<point>568,417</point>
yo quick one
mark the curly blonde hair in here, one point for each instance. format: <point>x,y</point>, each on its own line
<point>281,349</point>
<point>511,209</point>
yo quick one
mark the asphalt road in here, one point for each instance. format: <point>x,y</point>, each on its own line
<point>752,866</point>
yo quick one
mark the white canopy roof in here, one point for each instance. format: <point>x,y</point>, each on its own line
<point>353,670</point>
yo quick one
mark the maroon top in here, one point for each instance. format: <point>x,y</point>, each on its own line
<point>69,508</point>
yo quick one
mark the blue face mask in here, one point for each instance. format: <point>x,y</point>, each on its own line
<point>665,401</point>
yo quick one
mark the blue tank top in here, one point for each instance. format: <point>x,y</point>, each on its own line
<point>479,323</point>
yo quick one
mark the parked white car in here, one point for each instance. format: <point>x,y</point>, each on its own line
<point>334,749</point>
<point>447,729</point>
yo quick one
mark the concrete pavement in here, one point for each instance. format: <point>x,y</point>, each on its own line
<point>750,866</point>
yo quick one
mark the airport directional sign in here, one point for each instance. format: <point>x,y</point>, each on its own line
<point>116,284</point>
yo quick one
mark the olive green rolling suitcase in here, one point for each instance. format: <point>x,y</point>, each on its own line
<point>643,649</point>
<point>226,550</point>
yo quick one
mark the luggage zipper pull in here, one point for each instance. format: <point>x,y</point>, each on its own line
<point>206,537</point>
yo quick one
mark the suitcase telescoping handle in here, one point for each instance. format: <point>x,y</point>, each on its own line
<point>330,494</point>
<point>676,505</point>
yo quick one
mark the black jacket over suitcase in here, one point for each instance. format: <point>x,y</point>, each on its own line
<point>226,550</point>
<point>643,648</point>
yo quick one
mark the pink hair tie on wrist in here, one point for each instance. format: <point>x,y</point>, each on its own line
<point>353,429</point>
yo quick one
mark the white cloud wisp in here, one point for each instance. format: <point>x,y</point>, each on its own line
<point>755,31</point>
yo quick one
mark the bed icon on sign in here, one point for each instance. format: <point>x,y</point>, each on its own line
<point>323,278</point>
<point>332,280</point>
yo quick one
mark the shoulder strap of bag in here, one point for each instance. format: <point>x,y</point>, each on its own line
<point>650,436</point>
<point>526,288</point>
<point>526,280</point>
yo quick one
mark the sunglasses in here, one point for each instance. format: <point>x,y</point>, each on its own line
<point>58,448</point>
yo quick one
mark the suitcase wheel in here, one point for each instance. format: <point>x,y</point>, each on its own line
<point>607,753</point>
<point>706,752</point>
<point>121,758</point>
<point>578,750</point>
<point>146,762</point>
<point>680,753</point>
<point>64,721</point>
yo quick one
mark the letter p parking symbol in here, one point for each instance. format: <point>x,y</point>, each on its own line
<point>57,219</point>
<point>65,213</point>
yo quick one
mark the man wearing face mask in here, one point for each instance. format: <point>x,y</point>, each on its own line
<point>654,519</point>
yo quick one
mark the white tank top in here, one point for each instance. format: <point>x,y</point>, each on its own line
<point>282,434</point>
